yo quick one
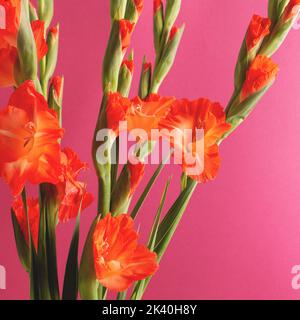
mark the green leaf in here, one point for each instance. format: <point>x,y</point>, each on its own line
<point>45,10</point>
<point>140,285</point>
<point>22,247</point>
<point>170,222</point>
<point>148,188</point>
<point>70,289</point>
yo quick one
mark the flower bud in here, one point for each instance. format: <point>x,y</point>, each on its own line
<point>117,9</point>
<point>56,95</point>
<point>167,58</point>
<point>88,284</point>
<point>45,11</point>
<point>145,81</point>
<point>125,76</point>
<point>118,43</point>
<point>158,23</point>
<point>51,59</point>
<point>133,10</point>
<point>125,187</point>
<point>26,46</point>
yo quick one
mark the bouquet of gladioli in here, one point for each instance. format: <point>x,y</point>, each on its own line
<point>31,134</point>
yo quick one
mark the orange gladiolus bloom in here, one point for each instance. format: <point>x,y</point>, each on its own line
<point>260,74</point>
<point>139,114</point>
<point>34,218</point>
<point>291,10</point>
<point>119,260</point>
<point>126,29</point>
<point>71,192</point>
<point>259,28</point>
<point>137,172</point>
<point>8,41</point>
<point>184,118</point>
<point>29,133</point>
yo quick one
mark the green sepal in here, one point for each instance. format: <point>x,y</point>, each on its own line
<point>145,81</point>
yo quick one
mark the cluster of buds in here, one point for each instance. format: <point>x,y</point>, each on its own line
<point>255,71</point>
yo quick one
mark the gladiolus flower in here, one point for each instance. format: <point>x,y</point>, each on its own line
<point>8,41</point>
<point>139,114</point>
<point>147,66</point>
<point>261,73</point>
<point>129,65</point>
<point>38,28</point>
<point>29,133</point>
<point>291,10</point>
<point>126,29</point>
<point>34,218</point>
<point>259,28</point>
<point>71,192</point>
<point>157,4</point>
<point>137,172</point>
<point>186,117</point>
<point>119,260</point>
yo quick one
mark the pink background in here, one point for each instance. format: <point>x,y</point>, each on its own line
<point>240,236</point>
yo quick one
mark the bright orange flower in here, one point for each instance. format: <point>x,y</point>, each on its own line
<point>139,114</point>
<point>259,28</point>
<point>291,10</point>
<point>157,4</point>
<point>260,74</point>
<point>119,260</point>
<point>71,192</point>
<point>137,172</point>
<point>38,28</point>
<point>129,65</point>
<point>139,4</point>
<point>126,29</point>
<point>200,159</point>
<point>8,42</point>
<point>29,133</point>
<point>33,215</point>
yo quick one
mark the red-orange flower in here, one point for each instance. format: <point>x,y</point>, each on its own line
<point>198,153</point>
<point>139,114</point>
<point>38,28</point>
<point>136,172</point>
<point>261,73</point>
<point>8,42</point>
<point>291,10</point>
<point>119,260</point>
<point>259,28</point>
<point>29,133</point>
<point>71,192</point>
<point>126,29</point>
<point>33,215</point>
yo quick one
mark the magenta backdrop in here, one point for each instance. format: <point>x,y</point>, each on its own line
<point>240,236</point>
